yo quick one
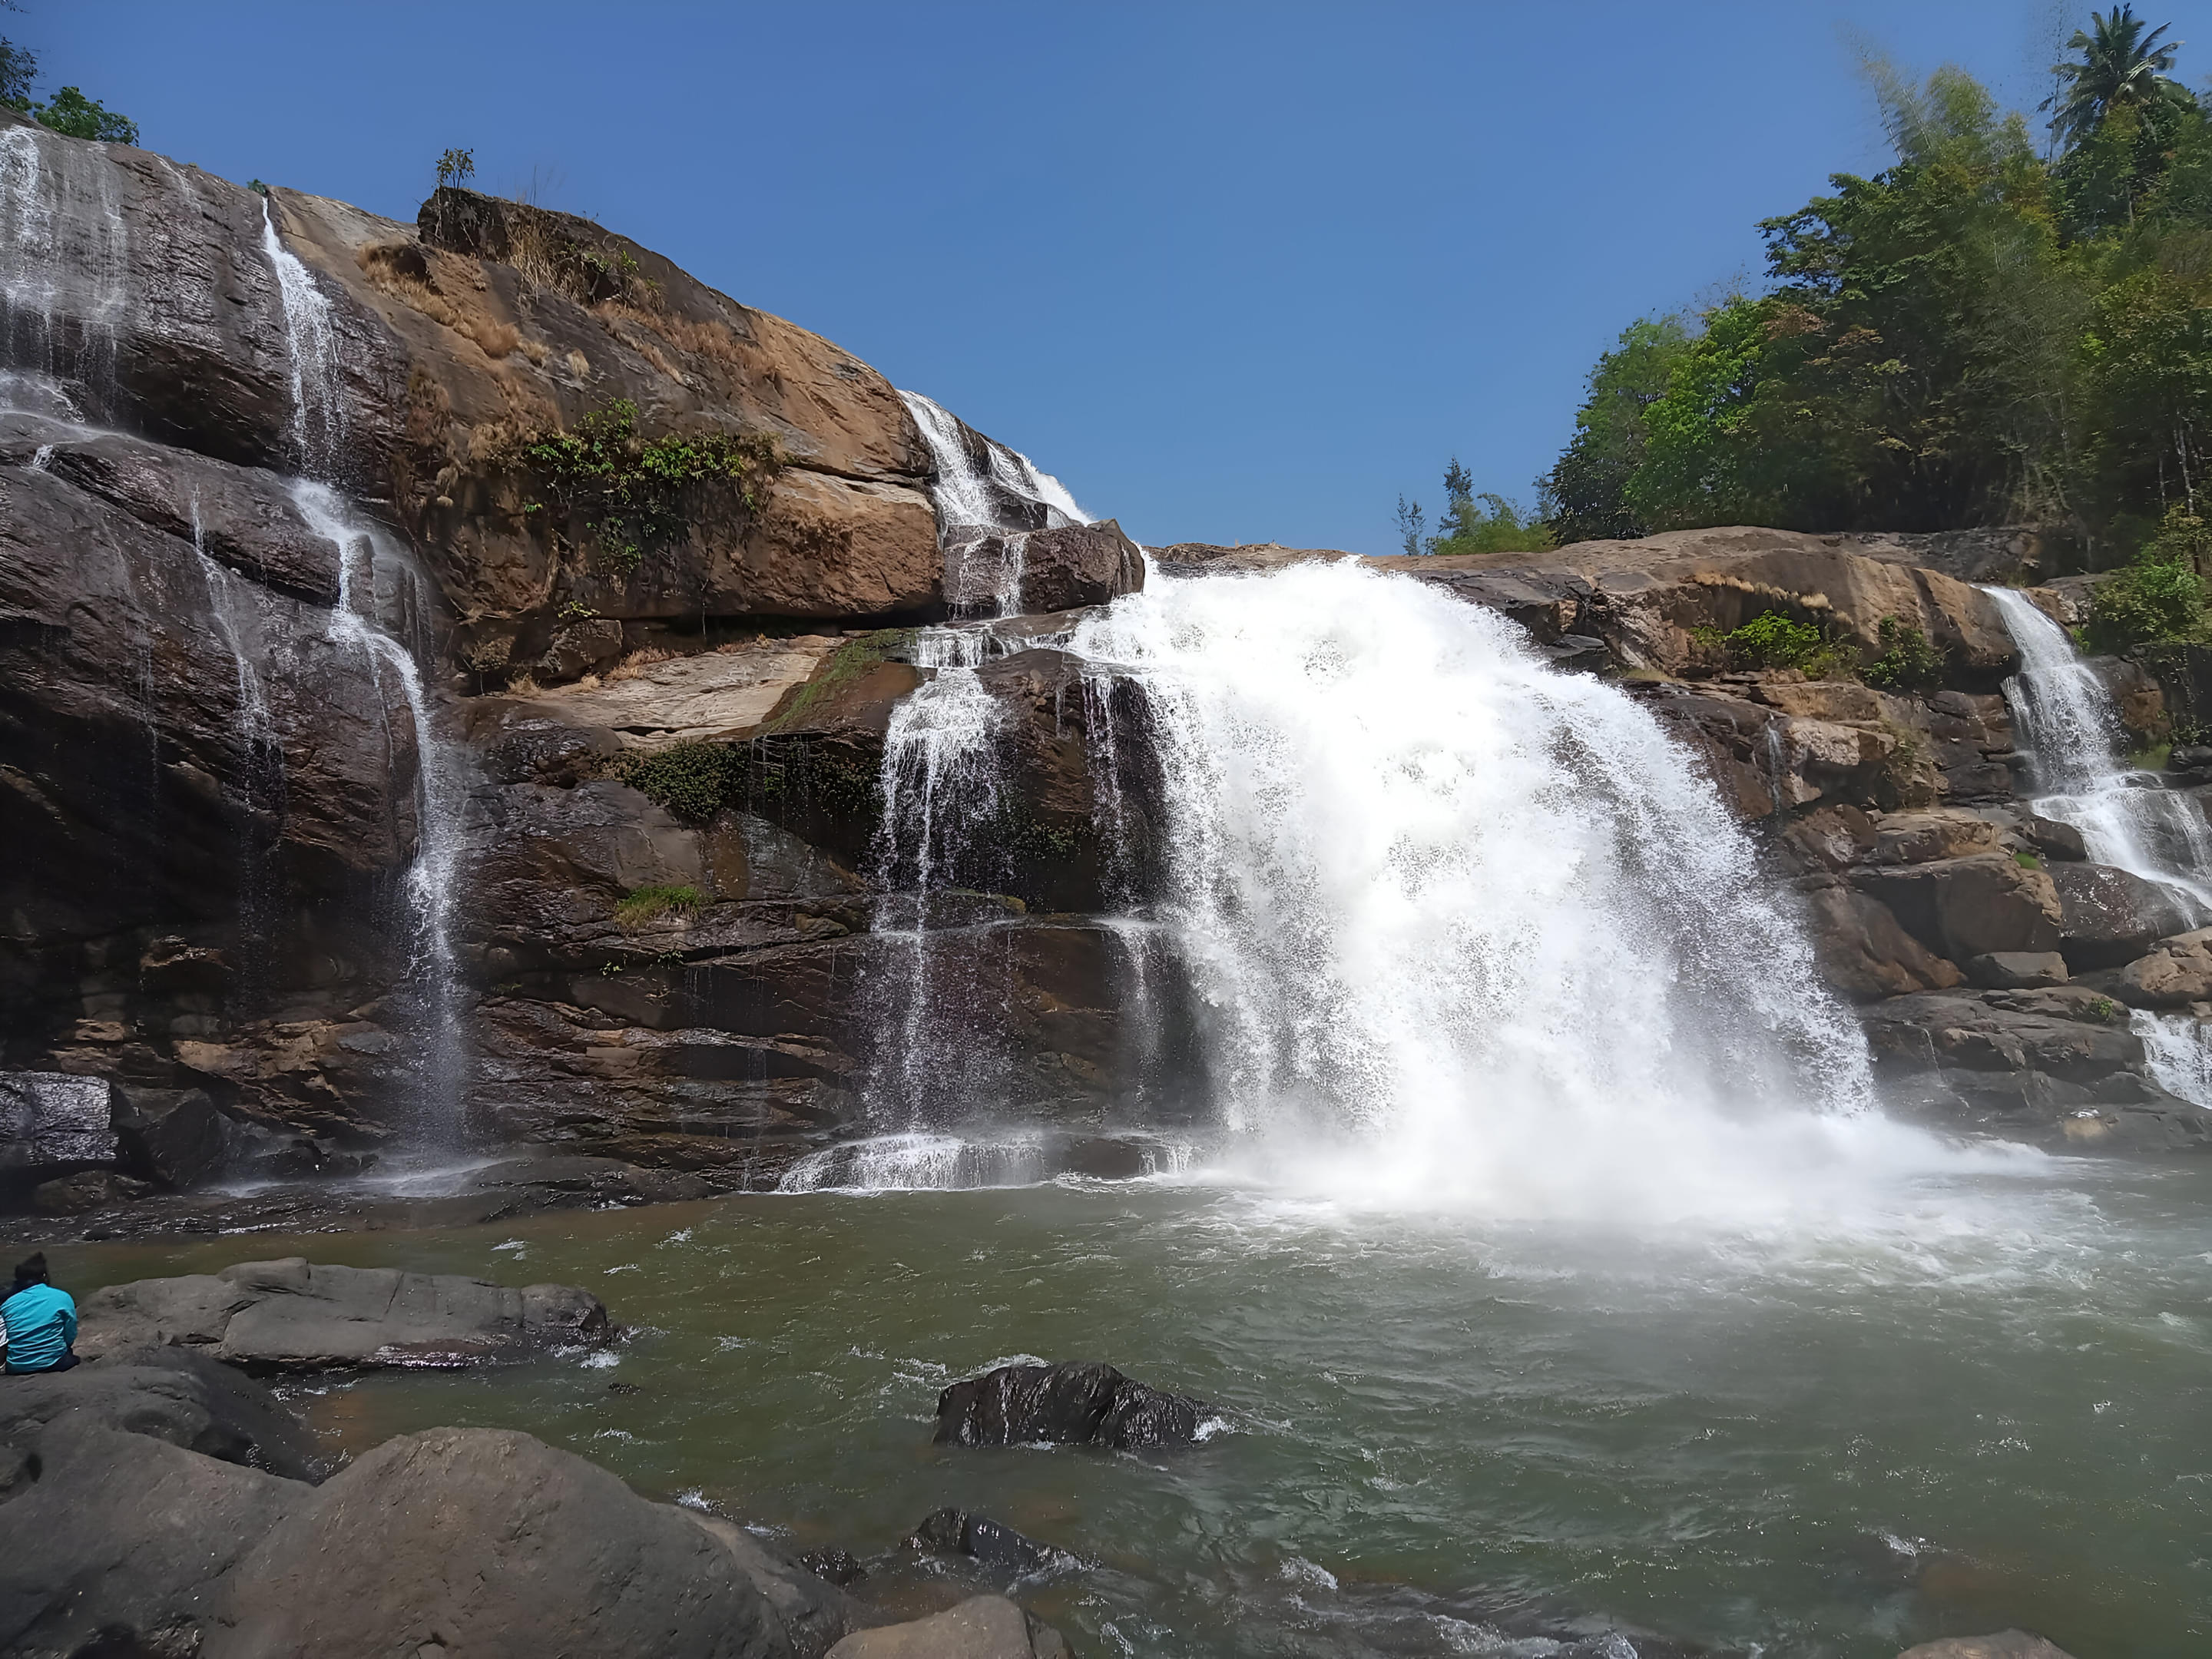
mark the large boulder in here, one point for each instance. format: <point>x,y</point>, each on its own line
<point>175,1137</point>
<point>490,1543</point>
<point>1969,906</point>
<point>1864,952</point>
<point>1057,570</point>
<point>51,1117</point>
<point>293,1316</point>
<point>124,1544</point>
<point>1081,1403</point>
<point>981,1627</point>
<point>172,1394</point>
<point>2109,916</point>
<point>2172,974</point>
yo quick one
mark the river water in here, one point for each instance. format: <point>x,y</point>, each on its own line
<point>1980,1402</point>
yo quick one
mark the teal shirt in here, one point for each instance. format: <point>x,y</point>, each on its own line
<point>41,1325</point>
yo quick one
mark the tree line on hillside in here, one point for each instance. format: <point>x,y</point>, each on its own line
<point>1982,333</point>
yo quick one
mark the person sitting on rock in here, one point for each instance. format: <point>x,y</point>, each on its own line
<point>42,1320</point>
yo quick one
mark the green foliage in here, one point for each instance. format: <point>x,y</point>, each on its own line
<point>1472,521</point>
<point>1976,335</point>
<point>2028,860</point>
<point>69,113</point>
<point>690,780</point>
<point>842,667</point>
<point>2159,598</point>
<point>2121,67</point>
<point>629,495</point>
<point>1772,640</point>
<point>456,166</point>
<point>649,904</point>
<point>19,67</point>
<point>1908,662</point>
<point>1587,490</point>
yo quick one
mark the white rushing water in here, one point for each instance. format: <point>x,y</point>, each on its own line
<point>2062,712</point>
<point>64,270</point>
<point>382,601</point>
<point>986,511</point>
<point>2066,717</point>
<point>1469,929</point>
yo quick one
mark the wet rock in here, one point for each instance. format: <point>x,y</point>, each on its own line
<point>809,1614</point>
<point>172,1394</point>
<point>2110,917</point>
<point>2065,1032</point>
<point>1922,837</point>
<point>2190,757</point>
<point>2004,1644</point>
<point>172,1137</point>
<point>51,1117</point>
<point>1083,1403</point>
<point>979,1538</point>
<point>1864,952</point>
<point>2172,974</point>
<point>981,1627</point>
<point>484,1541</point>
<point>834,1566</point>
<point>124,1544</point>
<point>293,1315</point>
<point>1066,568</point>
<point>88,1189</point>
<point>1982,904</point>
<point>2176,1127</point>
<point>2052,839</point>
<point>2012,970</point>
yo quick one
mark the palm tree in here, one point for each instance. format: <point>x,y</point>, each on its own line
<point>2120,64</point>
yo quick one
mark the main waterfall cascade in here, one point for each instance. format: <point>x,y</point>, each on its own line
<point>2066,718</point>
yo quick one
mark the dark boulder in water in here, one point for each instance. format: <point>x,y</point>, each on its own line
<point>1074,1403</point>
<point>993,1543</point>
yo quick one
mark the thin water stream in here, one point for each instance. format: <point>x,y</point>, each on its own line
<point>1974,1400</point>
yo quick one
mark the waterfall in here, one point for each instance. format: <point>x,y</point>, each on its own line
<point>61,360</point>
<point>381,605</point>
<point>986,509</point>
<point>318,424</point>
<point>1466,924</point>
<point>2066,717</point>
<point>233,605</point>
<point>2067,720</point>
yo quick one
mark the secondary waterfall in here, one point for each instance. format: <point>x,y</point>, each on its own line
<point>382,611</point>
<point>2065,716</point>
<point>989,501</point>
<point>1476,925</point>
<point>2067,719</point>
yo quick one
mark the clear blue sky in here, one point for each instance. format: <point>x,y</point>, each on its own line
<point>1234,272</point>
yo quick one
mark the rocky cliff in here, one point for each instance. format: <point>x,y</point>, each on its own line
<point>474,644</point>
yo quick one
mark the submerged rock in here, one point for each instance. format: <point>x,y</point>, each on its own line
<point>1075,1403</point>
<point>956,1532</point>
<point>293,1315</point>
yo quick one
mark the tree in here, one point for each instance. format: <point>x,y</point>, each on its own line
<point>456,166</point>
<point>2121,67</point>
<point>70,112</point>
<point>1585,492</point>
<point>17,68</point>
<point>1483,522</point>
<point>1411,521</point>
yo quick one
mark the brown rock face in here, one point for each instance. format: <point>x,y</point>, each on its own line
<point>1970,906</point>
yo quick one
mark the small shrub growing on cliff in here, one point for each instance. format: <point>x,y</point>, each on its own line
<point>70,112</point>
<point>631,495</point>
<point>689,780</point>
<point>1908,662</point>
<point>645,904</point>
<point>1773,640</point>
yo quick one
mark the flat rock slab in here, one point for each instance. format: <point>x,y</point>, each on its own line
<point>294,1315</point>
<point>1075,1403</point>
<point>2005,1644</point>
<point>981,1627</point>
<point>174,1394</point>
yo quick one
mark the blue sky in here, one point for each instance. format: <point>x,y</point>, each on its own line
<point>1234,272</point>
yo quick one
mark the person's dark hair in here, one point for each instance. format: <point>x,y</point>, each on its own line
<point>32,1270</point>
